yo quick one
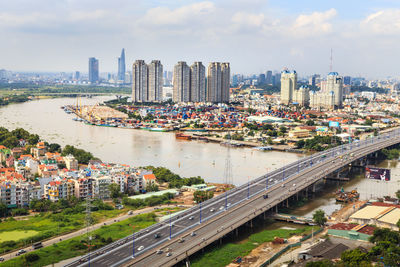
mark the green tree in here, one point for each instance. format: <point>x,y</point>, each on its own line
<point>398,194</point>
<point>200,195</point>
<point>319,217</point>
<point>355,258</point>
<point>3,210</point>
<point>115,190</point>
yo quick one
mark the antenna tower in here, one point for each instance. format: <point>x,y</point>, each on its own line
<point>228,166</point>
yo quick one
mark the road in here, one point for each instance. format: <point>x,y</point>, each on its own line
<point>83,231</point>
<point>214,218</point>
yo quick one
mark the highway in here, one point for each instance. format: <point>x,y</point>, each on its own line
<point>212,219</point>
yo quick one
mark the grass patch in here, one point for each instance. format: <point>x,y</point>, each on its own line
<point>16,235</point>
<point>77,246</point>
<point>222,256</point>
<point>47,225</point>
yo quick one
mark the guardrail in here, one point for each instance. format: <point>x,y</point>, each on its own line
<point>305,163</point>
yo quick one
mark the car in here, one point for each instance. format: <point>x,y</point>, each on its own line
<point>168,254</point>
<point>283,185</point>
<point>159,251</point>
<point>130,212</point>
<point>191,218</point>
<point>265,196</point>
<point>212,210</point>
<point>20,252</point>
<point>221,208</point>
<point>1,259</point>
<point>167,250</point>
<point>181,240</point>
<point>157,235</point>
<point>228,204</point>
<point>323,156</point>
<point>294,185</point>
<point>192,234</point>
<point>140,248</point>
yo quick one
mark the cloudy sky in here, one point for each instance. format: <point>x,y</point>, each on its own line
<point>254,35</point>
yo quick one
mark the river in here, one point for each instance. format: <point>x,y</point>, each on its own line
<point>139,147</point>
<point>187,158</point>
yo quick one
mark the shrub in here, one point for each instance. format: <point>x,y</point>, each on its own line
<point>31,257</point>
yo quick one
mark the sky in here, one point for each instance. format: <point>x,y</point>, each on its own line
<point>253,35</point>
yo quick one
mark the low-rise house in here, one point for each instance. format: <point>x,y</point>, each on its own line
<point>71,163</point>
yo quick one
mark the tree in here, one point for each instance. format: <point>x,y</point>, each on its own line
<point>3,210</point>
<point>322,263</point>
<point>319,217</point>
<point>355,258</point>
<point>300,143</point>
<point>310,123</point>
<point>398,194</point>
<point>115,190</point>
<point>200,195</point>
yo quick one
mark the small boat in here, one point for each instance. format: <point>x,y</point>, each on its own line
<point>342,196</point>
<point>183,136</point>
<point>263,148</point>
<point>158,129</point>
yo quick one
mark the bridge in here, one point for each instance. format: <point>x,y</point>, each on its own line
<point>171,241</point>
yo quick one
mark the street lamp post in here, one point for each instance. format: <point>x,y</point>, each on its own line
<point>200,212</point>
<point>170,225</point>
<point>226,200</point>
<point>133,241</point>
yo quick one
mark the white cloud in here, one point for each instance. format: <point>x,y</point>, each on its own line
<point>179,16</point>
<point>383,22</point>
<point>316,23</point>
<point>248,19</point>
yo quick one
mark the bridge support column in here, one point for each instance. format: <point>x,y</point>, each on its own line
<point>297,196</point>
<point>287,203</point>
<point>276,208</point>
<point>220,241</point>
<point>264,215</point>
<point>237,232</point>
<point>313,188</point>
<point>251,223</point>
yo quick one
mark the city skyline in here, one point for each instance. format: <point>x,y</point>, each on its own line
<point>269,35</point>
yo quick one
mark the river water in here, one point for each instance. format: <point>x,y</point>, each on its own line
<point>139,147</point>
<point>187,158</point>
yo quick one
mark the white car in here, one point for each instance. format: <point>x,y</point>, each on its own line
<point>191,218</point>
<point>212,210</point>
<point>168,254</point>
<point>140,248</point>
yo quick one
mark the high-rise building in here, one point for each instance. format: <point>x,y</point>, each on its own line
<point>155,80</point>
<point>225,84</point>
<point>218,82</point>
<point>334,83</point>
<point>261,78</point>
<point>214,82</point>
<point>268,77</point>
<point>93,70</point>
<point>121,66</point>
<point>139,81</point>
<point>77,75</point>
<point>181,82</point>
<point>198,82</point>
<point>288,86</point>
<point>314,80</point>
<point>346,80</point>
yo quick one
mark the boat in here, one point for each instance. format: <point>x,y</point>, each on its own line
<point>158,129</point>
<point>183,136</point>
<point>263,148</point>
<point>342,196</point>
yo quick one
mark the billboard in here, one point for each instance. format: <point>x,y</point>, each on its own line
<point>377,173</point>
<point>334,124</point>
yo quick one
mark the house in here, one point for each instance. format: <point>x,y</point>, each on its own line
<point>149,179</point>
<point>101,187</point>
<point>17,151</point>
<point>323,250</point>
<point>71,163</point>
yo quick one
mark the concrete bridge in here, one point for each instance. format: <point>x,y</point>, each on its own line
<point>172,241</point>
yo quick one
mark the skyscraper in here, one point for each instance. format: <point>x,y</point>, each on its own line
<point>288,85</point>
<point>261,79</point>
<point>334,83</point>
<point>121,66</point>
<point>198,82</point>
<point>155,81</point>
<point>218,82</point>
<point>181,82</point>
<point>214,82</point>
<point>139,81</point>
<point>225,83</point>
<point>93,70</point>
<point>268,77</point>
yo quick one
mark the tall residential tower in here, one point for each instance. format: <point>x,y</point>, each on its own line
<point>155,81</point>
<point>139,81</point>
<point>198,82</point>
<point>181,81</point>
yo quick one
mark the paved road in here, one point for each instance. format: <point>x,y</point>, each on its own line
<point>217,217</point>
<point>84,230</point>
